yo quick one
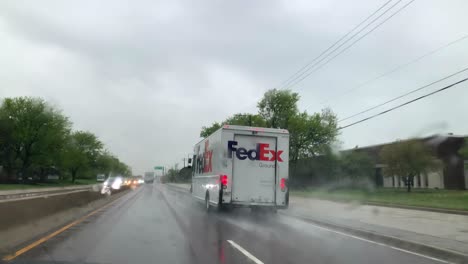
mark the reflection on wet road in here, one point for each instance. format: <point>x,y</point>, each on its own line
<point>155,224</point>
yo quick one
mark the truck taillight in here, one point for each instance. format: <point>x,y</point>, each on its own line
<point>224,181</point>
<point>283,184</point>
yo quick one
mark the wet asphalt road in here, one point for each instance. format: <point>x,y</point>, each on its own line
<point>156,224</point>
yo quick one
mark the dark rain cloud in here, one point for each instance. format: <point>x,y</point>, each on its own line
<point>146,75</point>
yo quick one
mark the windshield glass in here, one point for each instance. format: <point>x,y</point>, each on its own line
<point>268,131</point>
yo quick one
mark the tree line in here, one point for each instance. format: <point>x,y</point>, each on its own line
<point>355,168</point>
<point>36,139</point>
<point>310,134</point>
<point>173,174</point>
<point>312,158</point>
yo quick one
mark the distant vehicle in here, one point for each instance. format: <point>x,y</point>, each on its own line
<point>101,177</point>
<point>133,181</point>
<point>149,177</point>
<point>240,166</point>
<point>112,183</point>
<point>140,179</point>
<point>127,181</point>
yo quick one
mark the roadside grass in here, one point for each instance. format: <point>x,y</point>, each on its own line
<point>85,181</point>
<point>446,199</point>
<point>4,187</point>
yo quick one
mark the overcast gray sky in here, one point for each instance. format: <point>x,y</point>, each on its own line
<point>145,76</point>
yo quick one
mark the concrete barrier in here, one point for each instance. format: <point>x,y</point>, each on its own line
<point>26,210</point>
<point>16,235</point>
<point>22,193</point>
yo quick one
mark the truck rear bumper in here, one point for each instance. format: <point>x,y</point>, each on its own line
<point>254,205</point>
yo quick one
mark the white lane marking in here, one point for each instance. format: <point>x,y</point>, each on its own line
<point>245,252</point>
<point>381,244</point>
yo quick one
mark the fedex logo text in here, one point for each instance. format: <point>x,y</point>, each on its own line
<point>204,161</point>
<point>261,152</point>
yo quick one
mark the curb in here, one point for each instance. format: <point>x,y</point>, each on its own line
<point>428,209</point>
<point>444,254</point>
<point>409,207</point>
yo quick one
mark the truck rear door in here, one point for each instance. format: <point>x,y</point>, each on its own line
<point>254,169</point>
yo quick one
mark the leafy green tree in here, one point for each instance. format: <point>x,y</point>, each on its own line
<point>6,149</point>
<point>299,136</point>
<point>206,131</point>
<point>81,152</point>
<point>311,135</point>
<point>464,149</point>
<point>317,170</point>
<point>37,130</point>
<point>123,169</point>
<point>104,163</point>
<point>172,174</point>
<point>408,159</point>
<point>246,120</point>
<point>308,141</point>
<point>277,107</point>
<point>36,138</point>
<point>185,174</point>
<point>356,165</point>
<point>6,130</point>
<point>275,110</point>
<point>238,120</point>
<point>108,164</point>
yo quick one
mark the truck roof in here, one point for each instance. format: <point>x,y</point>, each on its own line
<point>260,129</point>
<point>248,128</point>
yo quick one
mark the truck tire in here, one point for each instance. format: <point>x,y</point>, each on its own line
<point>207,201</point>
<point>221,206</point>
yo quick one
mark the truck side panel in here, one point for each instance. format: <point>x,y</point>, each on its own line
<point>206,168</point>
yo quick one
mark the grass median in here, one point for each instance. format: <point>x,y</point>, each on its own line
<point>4,187</point>
<point>445,199</point>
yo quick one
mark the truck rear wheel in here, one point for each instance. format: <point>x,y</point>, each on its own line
<point>207,202</point>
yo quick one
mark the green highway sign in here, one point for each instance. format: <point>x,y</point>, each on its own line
<point>158,168</point>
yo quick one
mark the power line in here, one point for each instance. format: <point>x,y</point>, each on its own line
<point>403,95</point>
<point>352,44</point>
<point>286,82</point>
<point>395,69</point>
<point>346,41</point>
<point>406,103</point>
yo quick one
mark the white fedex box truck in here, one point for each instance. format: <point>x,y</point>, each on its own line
<point>239,166</point>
